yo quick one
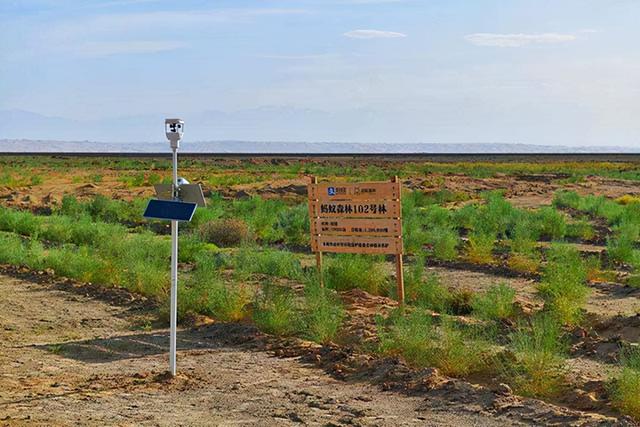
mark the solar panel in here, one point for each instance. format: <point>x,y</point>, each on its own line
<point>169,209</point>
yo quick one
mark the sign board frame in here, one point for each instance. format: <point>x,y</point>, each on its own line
<point>364,217</point>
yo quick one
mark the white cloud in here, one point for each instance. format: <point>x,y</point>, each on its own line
<point>373,1</point>
<point>124,48</point>
<point>373,34</point>
<point>295,57</point>
<point>517,40</point>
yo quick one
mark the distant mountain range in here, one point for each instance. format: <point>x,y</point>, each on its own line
<point>260,130</point>
<point>274,147</point>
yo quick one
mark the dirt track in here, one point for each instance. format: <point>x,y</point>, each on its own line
<point>70,359</point>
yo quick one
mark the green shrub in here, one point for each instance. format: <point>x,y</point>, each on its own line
<point>524,263</point>
<point>625,388</point>
<point>86,232</point>
<point>495,304</point>
<point>214,210</point>
<point>19,222</point>
<point>524,237</point>
<point>581,229</point>
<point>269,261</point>
<point>416,337</point>
<point>293,225</point>
<point>80,264</point>
<point>566,199</point>
<point>621,246</point>
<point>323,314</point>
<point>437,216</point>
<point>206,293</point>
<point>426,292</point>
<point>496,217</point>
<point>480,247</point>
<point>104,209</point>
<point>70,206</point>
<point>275,311</point>
<point>563,284</point>
<point>190,246</point>
<point>444,242</point>
<point>414,235</point>
<point>536,367</point>
<point>261,215</point>
<point>13,250</point>
<point>465,217</point>
<point>224,232</point>
<point>154,178</point>
<point>551,223</point>
<point>59,229</point>
<point>348,271</point>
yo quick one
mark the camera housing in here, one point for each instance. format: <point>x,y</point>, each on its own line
<point>174,129</point>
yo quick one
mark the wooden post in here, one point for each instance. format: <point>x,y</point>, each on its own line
<point>399,263</point>
<point>400,278</point>
<point>314,180</point>
<point>319,267</point>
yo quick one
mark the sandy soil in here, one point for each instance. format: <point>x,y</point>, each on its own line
<point>71,359</point>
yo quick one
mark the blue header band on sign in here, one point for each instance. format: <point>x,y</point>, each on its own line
<point>169,209</point>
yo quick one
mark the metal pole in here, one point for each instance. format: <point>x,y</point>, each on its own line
<point>174,273</point>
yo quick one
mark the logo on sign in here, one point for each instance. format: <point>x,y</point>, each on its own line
<point>331,191</point>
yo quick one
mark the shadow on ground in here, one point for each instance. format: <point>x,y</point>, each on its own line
<point>137,345</point>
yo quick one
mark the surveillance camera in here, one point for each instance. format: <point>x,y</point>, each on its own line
<point>174,128</point>
<point>182,181</point>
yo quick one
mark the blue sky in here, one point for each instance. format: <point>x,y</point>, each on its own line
<point>539,72</point>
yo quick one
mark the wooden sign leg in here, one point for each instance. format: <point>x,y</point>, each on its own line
<point>319,266</point>
<point>400,278</point>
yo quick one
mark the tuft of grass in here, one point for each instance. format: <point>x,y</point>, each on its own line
<point>444,242</point>
<point>323,314</point>
<point>581,229</point>
<point>625,388</point>
<point>495,304</point>
<point>24,223</point>
<point>80,264</point>
<point>434,295</point>
<point>276,312</point>
<point>414,236</point>
<point>524,263</point>
<point>621,246</point>
<point>536,366</point>
<point>70,206</point>
<point>551,223</point>
<point>421,342</point>
<point>293,225</point>
<point>348,271</point>
<point>206,293</point>
<point>426,291</point>
<point>261,215</point>
<point>480,247</point>
<point>563,284</point>
<point>268,261</point>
